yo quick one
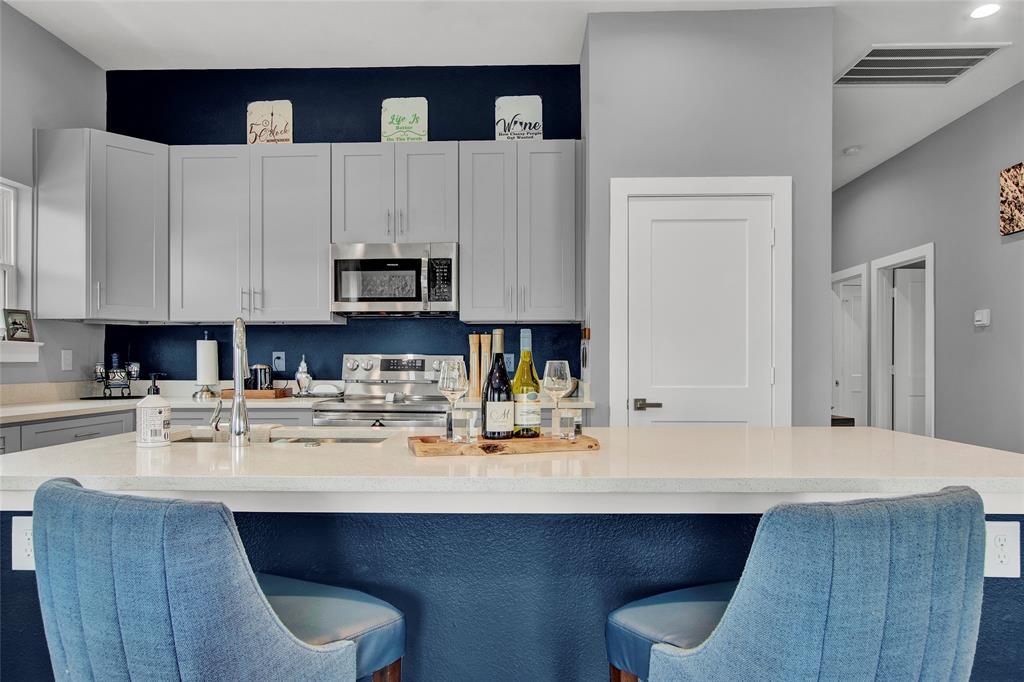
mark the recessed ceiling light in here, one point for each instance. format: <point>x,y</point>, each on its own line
<point>852,150</point>
<point>986,10</point>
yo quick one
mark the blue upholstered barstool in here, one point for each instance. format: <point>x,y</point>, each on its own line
<point>139,588</point>
<point>874,589</point>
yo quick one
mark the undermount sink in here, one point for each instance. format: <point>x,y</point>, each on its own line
<point>281,434</point>
<point>337,439</point>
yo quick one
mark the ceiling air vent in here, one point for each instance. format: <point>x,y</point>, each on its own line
<point>915,64</point>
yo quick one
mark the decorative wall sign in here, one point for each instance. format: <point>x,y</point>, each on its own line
<point>403,119</point>
<point>519,117</point>
<point>1011,200</point>
<point>269,122</point>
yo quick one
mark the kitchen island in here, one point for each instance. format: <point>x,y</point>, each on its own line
<point>637,470</point>
<point>506,566</point>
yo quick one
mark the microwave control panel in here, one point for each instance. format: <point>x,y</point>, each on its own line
<point>439,280</point>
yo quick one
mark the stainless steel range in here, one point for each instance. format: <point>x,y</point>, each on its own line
<point>387,390</point>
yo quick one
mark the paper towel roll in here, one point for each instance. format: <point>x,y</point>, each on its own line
<point>207,372</point>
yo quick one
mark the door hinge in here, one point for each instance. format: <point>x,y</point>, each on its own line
<point>892,370</point>
<point>773,237</point>
<point>773,375</point>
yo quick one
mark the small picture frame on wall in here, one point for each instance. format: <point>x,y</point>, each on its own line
<point>1011,200</point>
<point>18,325</point>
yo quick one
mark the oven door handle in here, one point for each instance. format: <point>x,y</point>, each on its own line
<point>425,279</point>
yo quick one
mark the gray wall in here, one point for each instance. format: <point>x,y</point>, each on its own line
<point>945,189</point>
<point>46,84</point>
<point>717,94</point>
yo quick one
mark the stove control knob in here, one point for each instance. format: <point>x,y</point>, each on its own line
<point>352,364</point>
<point>436,365</point>
<point>367,365</point>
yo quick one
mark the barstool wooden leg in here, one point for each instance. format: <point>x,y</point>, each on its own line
<point>392,673</point>
<point>621,675</point>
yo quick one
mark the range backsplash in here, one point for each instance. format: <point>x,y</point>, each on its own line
<point>172,349</point>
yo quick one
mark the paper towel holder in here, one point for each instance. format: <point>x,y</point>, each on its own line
<point>205,391</point>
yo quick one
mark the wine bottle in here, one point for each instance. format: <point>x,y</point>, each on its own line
<point>526,390</point>
<point>497,412</point>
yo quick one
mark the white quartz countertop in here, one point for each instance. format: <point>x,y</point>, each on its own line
<point>637,470</point>
<point>19,413</point>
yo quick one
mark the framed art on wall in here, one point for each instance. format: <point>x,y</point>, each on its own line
<point>18,325</point>
<point>1011,200</point>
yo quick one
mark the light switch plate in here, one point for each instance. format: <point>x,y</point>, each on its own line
<point>277,362</point>
<point>23,557</point>
<point>66,361</point>
<point>1002,549</point>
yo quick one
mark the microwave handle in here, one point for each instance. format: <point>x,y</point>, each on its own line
<point>425,279</point>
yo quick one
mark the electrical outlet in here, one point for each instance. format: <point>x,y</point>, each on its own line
<point>23,557</point>
<point>66,361</point>
<point>1002,549</point>
<point>277,363</point>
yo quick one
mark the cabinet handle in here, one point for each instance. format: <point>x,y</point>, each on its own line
<point>88,435</point>
<point>522,298</point>
<point>255,293</point>
<point>401,221</point>
<point>241,299</point>
<point>510,306</point>
<point>98,285</point>
<point>388,224</point>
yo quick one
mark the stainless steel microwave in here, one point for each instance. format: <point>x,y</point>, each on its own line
<point>399,279</point>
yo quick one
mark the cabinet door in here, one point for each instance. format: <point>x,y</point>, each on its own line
<point>10,439</point>
<point>60,431</point>
<point>427,191</point>
<point>290,229</point>
<point>128,228</point>
<point>487,245</point>
<point>285,417</point>
<point>547,231</point>
<point>363,192</point>
<point>209,249</point>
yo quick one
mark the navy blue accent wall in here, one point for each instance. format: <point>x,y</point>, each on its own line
<point>172,349</point>
<point>334,105</point>
<point>331,105</point>
<point>501,598</point>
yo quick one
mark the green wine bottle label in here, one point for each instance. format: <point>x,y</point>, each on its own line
<point>527,412</point>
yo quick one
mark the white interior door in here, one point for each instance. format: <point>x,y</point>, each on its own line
<point>849,349</point>
<point>700,309</point>
<point>908,351</point>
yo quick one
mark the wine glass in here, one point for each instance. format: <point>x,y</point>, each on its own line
<point>556,383</point>
<point>453,384</point>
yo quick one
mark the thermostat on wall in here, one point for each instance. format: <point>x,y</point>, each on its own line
<point>982,318</point>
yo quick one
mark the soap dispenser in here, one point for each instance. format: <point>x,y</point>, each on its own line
<point>303,378</point>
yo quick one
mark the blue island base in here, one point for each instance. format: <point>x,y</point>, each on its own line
<point>498,598</point>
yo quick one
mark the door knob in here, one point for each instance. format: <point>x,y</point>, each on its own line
<point>641,404</point>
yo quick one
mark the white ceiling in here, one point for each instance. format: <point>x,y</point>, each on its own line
<point>197,34</point>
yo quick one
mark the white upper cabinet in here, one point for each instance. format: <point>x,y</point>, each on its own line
<point>101,226</point>
<point>209,232</point>
<point>383,192</point>
<point>250,233</point>
<point>427,191</point>
<point>290,229</point>
<point>363,192</point>
<point>518,235</point>
<point>487,212</point>
<point>547,230</point>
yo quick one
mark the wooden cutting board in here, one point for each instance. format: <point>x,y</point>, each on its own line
<point>262,394</point>
<point>434,446</point>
